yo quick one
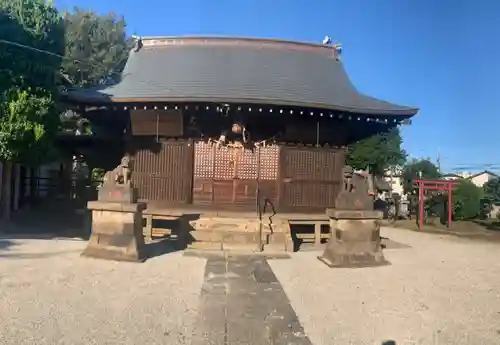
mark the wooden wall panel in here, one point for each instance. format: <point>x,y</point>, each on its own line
<point>152,122</point>
<point>225,163</point>
<point>166,175</point>
<point>204,171</point>
<point>247,164</point>
<point>203,160</point>
<point>309,178</point>
<point>268,162</point>
<point>306,130</point>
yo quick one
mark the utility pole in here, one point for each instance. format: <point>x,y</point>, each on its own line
<point>438,161</point>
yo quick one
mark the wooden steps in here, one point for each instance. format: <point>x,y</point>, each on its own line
<point>312,237</point>
<point>232,233</point>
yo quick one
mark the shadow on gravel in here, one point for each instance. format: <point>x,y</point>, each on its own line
<point>5,244</point>
<point>489,224</point>
<point>31,256</point>
<point>57,218</point>
<point>387,243</point>
<point>160,247</point>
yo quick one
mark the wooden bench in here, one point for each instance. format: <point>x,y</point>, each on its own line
<point>149,231</point>
<point>317,236</point>
<point>313,237</point>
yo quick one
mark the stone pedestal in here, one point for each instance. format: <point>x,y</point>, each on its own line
<point>117,193</point>
<point>354,239</point>
<point>116,231</point>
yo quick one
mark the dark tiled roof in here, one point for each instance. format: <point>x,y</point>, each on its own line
<point>483,172</point>
<point>451,175</point>
<point>239,70</point>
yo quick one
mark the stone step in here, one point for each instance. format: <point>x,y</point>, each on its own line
<point>238,224</point>
<point>274,238</point>
<point>230,247</point>
<point>211,246</point>
<point>227,219</point>
<point>240,247</point>
<point>224,236</point>
<point>238,241</point>
<point>225,224</point>
<point>274,250</point>
<point>278,242</point>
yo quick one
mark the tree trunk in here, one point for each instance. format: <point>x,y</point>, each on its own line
<point>7,190</point>
<point>1,188</point>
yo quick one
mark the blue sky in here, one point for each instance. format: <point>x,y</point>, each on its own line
<point>442,56</point>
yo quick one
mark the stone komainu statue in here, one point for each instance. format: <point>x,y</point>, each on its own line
<point>357,182</point>
<point>120,175</point>
<point>356,192</point>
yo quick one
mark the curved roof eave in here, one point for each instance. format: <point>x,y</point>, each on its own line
<point>83,96</point>
<point>238,70</point>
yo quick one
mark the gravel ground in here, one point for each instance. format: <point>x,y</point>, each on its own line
<point>438,290</point>
<point>51,295</point>
<point>441,290</point>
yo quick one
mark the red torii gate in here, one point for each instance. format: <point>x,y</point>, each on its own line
<point>440,185</point>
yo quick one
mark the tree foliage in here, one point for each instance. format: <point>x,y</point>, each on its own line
<point>27,127</point>
<point>418,168</point>
<point>378,152</point>
<point>28,120</point>
<point>466,200</point>
<point>492,190</point>
<point>35,24</point>
<point>96,47</point>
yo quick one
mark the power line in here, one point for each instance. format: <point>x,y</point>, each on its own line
<point>42,51</point>
<point>31,48</point>
<point>47,52</point>
<point>493,166</point>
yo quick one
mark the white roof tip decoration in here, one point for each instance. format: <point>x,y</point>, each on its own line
<point>337,46</point>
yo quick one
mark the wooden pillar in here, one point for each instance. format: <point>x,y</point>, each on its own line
<point>1,183</point>
<point>317,234</point>
<point>450,205</point>
<point>149,227</point>
<point>420,204</point>
<point>16,171</point>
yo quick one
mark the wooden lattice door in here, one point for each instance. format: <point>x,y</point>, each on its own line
<point>230,177</point>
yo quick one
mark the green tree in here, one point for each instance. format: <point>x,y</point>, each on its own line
<point>418,168</point>
<point>28,83</point>
<point>492,190</point>
<point>97,47</point>
<point>96,51</point>
<point>466,200</point>
<point>378,152</point>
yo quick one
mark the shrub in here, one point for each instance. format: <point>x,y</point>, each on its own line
<point>466,200</point>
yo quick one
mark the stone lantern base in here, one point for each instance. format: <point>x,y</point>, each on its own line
<point>354,239</point>
<point>116,231</point>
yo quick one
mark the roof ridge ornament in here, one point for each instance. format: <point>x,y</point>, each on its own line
<point>327,40</point>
